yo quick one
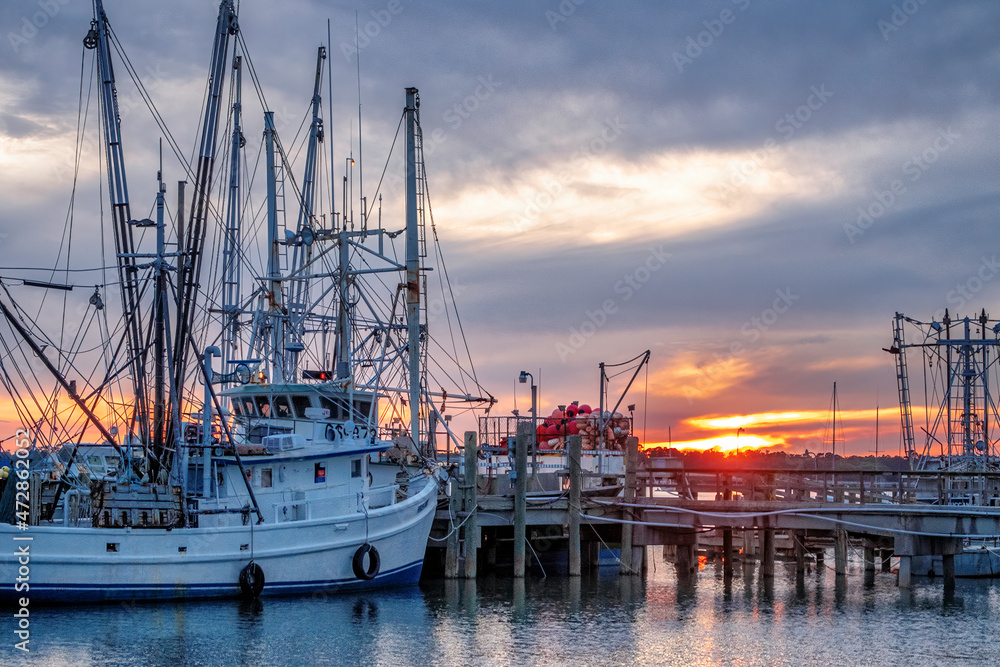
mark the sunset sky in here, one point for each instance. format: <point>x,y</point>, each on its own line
<point>748,189</point>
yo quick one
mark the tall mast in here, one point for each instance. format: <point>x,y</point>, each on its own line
<point>305,233</point>
<point>834,460</point>
<point>343,315</point>
<point>274,297</point>
<point>97,38</point>
<point>412,265</point>
<point>232,263</point>
<point>189,271</point>
<point>159,320</point>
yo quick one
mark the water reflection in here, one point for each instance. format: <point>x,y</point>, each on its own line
<point>600,618</point>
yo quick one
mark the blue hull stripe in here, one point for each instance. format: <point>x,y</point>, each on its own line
<point>64,593</point>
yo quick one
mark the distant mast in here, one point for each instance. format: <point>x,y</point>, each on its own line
<point>833,465</point>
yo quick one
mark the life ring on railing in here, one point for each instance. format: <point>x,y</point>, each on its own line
<point>251,580</point>
<point>374,562</point>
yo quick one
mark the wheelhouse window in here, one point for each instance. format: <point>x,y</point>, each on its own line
<point>265,478</point>
<point>282,407</point>
<point>361,408</point>
<point>301,403</point>
<point>356,468</point>
<point>244,405</point>
<point>263,406</point>
<point>335,409</point>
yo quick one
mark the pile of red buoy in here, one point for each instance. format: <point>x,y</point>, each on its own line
<point>581,420</point>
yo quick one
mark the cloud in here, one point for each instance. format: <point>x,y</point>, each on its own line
<point>744,166</point>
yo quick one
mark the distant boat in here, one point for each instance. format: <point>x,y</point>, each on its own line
<point>960,422</point>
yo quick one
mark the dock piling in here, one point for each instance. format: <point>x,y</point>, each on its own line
<point>574,443</point>
<point>452,543</point>
<point>948,567</point>
<point>471,505</point>
<point>767,562</point>
<point>840,551</point>
<point>800,550</point>
<point>525,436</point>
<point>631,459</point>
<point>727,553</point>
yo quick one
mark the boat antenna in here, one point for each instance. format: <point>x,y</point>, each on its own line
<point>361,164</point>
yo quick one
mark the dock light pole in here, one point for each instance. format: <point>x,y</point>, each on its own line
<point>523,379</point>
<point>738,431</point>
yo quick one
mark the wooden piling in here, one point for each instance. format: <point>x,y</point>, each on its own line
<point>452,543</point>
<point>749,543</point>
<point>948,566</point>
<point>574,445</point>
<point>727,553</point>
<point>525,436</point>
<point>800,550</point>
<point>840,551</point>
<point>869,560</point>
<point>767,562</point>
<point>471,505</point>
<point>631,459</point>
<point>904,572</point>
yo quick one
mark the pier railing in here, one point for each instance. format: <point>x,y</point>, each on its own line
<point>826,486</point>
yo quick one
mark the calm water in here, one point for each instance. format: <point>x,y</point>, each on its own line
<point>600,620</point>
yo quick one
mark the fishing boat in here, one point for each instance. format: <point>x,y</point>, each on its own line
<point>243,417</point>
<point>960,361</point>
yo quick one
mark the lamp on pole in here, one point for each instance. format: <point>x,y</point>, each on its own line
<point>523,379</point>
<point>738,431</point>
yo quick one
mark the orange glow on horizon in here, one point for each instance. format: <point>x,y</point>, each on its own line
<point>775,418</point>
<point>724,443</point>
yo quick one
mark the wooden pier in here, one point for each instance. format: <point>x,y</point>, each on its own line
<point>752,514</point>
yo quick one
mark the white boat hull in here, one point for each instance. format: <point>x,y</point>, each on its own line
<point>315,556</point>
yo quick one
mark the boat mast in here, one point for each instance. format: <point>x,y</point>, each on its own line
<point>232,262</point>
<point>274,297</point>
<point>97,38</point>
<point>189,271</point>
<point>305,234</point>
<point>833,464</point>
<point>412,265</point>
<point>159,320</point>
